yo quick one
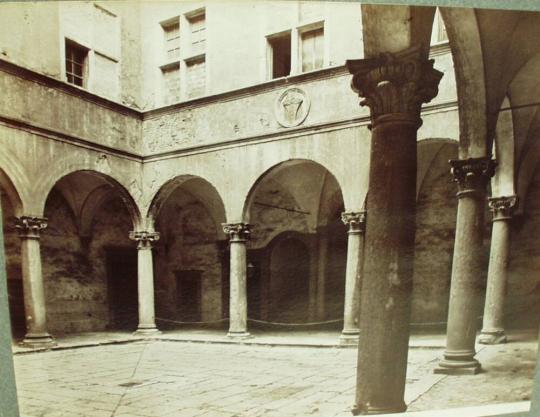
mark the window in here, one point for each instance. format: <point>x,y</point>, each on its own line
<point>172,40</point>
<point>312,49</point>
<point>76,63</point>
<point>198,33</point>
<point>196,77</point>
<point>171,83</point>
<point>280,55</point>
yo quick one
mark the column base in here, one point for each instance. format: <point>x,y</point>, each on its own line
<point>495,337</point>
<point>363,409</point>
<point>238,335</point>
<point>348,338</point>
<point>146,331</point>
<point>458,366</point>
<point>38,340</point>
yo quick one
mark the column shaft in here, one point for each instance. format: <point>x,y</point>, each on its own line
<point>145,281</point>
<point>34,293</point>
<point>493,323</point>
<point>472,176</point>
<point>239,233</point>
<point>394,86</point>
<point>353,276</point>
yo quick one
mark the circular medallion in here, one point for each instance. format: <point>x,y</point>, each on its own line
<point>291,107</point>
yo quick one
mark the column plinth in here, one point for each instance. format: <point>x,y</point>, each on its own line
<point>356,222</point>
<point>29,229</point>
<point>472,176</point>
<point>239,234</point>
<point>394,86</point>
<point>145,282</point>
<point>493,322</point>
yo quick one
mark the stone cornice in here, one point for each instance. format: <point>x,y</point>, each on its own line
<point>51,82</point>
<point>66,138</point>
<point>249,91</point>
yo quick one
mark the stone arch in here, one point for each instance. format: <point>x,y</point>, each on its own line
<point>428,151</point>
<point>14,182</point>
<point>206,192</point>
<point>90,203</point>
<point>465,43</point>
<point>248,200</point>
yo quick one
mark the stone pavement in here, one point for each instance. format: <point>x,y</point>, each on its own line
<point>154,378</point>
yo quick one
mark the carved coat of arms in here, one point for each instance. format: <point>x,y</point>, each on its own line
<point>292,107</point>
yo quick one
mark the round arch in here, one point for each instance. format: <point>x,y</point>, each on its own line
<point>429,151</point>
<point>198,186</point>
<point>276,167</point>
<point>123,193</point>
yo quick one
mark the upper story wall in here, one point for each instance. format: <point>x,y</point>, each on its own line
<point>34,35</point>
<point>237,51</point>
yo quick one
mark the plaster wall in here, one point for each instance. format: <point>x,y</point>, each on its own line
<point>60,109</point>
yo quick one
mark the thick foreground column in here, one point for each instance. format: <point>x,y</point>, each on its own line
<point>8,389</point>
<point>145,281</point>
<point>239,234</point>
<point>395,86</point>
<point>472,176</point>
<point>356,222</point>
<point>493,324</point>
<point>29,228</point>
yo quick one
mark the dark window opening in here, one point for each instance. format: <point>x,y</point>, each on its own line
<point>75,63</point>
<point>281,55</point>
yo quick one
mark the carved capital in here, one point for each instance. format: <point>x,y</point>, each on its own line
<point>472,175</point>
<point>502,207</point>
<point>238,232</point>
<point>395,83</point>
<point>144,239</point>
<point>355,220</point>
<point>29,227</point>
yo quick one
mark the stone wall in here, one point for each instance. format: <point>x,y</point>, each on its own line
<point>187,250</point>
<point>74,274</point>
<point>522,306</point>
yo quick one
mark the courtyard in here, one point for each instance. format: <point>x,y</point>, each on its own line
<point>202,375</point>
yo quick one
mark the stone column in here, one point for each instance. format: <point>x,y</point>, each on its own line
<point>145,281</point>
<point>29,228</point>
<point>472,176</point>
<point>394,86</point>
<point>322,260</point>
<point>239,234</point>
<point>493,325</point>
<point>356,222</point>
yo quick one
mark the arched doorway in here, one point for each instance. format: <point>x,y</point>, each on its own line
<point>190,256</point>
<point>89,262</point>
<point>298,245</point>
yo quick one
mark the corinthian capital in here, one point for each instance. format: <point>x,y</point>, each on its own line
<point>473,174</point>
<point>355,220</point>
<point>144,239</point>
<point>395,83</point>
<point>238,232</point>
<point>502,207</point>
<point>29,227</point>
